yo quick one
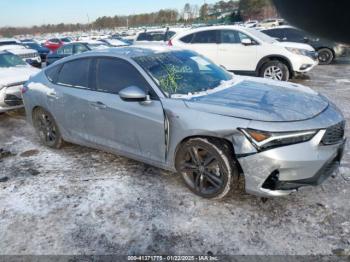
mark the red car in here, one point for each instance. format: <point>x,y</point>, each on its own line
<point>54,43</point>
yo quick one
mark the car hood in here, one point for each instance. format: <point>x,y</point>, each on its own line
<point>17,49</point>
<point>295,45</point>
<point>13,75</point>
<point>261,100</point>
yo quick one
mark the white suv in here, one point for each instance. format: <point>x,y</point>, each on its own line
<point>248,51</point>
<point>15,47</point>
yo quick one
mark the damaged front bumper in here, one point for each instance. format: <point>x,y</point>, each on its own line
<point>10,97</point>
<point>281,171</point>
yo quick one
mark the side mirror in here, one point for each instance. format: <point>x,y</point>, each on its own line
<point>133,94</point>
<point>246,41</point>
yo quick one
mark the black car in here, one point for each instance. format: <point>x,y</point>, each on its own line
<point>72,49</point>
<point>43,51</point>
<point>327,50</point>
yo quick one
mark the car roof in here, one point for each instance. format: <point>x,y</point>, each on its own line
<point>280,27</point>
<point>205,28</point>
<point>136,51</point>
<point>123,52</point>
<point>9,40</point>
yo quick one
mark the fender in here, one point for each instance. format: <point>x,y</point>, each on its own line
<point>272,57</point>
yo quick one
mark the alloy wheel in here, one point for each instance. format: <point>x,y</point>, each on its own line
<point>46,128</point>
<point>202,171</point>
<point>273,72</point>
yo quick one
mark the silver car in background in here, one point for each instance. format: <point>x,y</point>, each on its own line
<point>176,110</point>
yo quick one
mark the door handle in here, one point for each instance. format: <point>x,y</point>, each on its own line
<point>52,95</point>
<point>98,104</point>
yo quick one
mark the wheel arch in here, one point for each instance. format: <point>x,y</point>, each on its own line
<point>227,143</point>
<point>40,107</point>
<point>269,58</point>
<point>59,126</point>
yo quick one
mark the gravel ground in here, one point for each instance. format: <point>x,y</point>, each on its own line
<point>82,201</point>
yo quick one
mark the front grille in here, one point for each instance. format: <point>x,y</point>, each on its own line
<point>26,56</point>
<point>12,100</point>
<point>334,134</point>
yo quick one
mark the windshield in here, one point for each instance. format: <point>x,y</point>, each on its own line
<point>10,60</point>
<point>151,36</point>
<point>32,45</point>
<point>261,36</point>
<point>183,72</point>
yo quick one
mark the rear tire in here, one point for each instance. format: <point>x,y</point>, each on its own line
<point>47,128</point>
<point>325,56</point>
<point>275,70</point>
<point>207,167</point>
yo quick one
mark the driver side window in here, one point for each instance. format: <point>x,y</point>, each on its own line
<point>244,36</point>
<point>114,74</point>
<point>230,37</point>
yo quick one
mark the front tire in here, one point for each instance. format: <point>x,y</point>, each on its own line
<point>275,70</point>
<point>325,56</point>
<point>207,168</point>
<point>47,128</point>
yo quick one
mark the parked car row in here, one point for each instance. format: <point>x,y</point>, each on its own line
<point>72,49</point>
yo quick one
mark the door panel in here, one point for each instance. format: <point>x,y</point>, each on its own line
<point>235,56</point>
<point>129,127</point>
<point>205,43</point>
<point>72,92</point>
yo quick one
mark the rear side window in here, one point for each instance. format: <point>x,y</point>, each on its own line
<point>143,37</point>
<point>205,37</point>
<point>79,48</point>
<point>115,74</point>
<point>52,73</point>
<point>75,73</point>
<point>230,37</point>
<point>169,35</point>
<point>187,39</point>
<point>151,36</point>
<point>65,50</point>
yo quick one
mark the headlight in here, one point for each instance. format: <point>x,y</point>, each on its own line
<point>265,140</point>
<point>298,51</point>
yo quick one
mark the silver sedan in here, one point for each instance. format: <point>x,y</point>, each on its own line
<point>176,110</point>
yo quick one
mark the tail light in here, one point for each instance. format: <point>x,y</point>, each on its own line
<point>170,43</point>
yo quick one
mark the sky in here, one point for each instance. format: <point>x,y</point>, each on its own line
<point>37,12</point>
